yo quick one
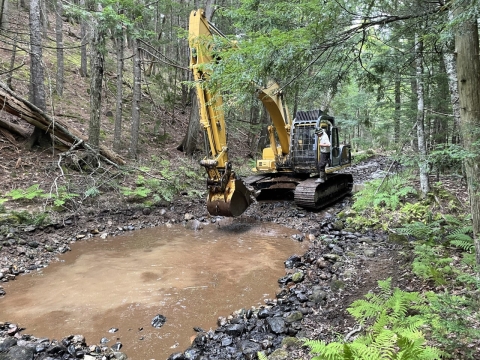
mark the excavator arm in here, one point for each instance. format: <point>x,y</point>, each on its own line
<point>275,155</point>
<point>227,195</point>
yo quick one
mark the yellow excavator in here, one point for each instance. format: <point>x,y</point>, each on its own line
<point>288,167</point>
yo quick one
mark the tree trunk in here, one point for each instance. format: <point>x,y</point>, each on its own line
<point>468,72</point>
<point>209,9</point>
<point>37,88</point>
<point>263,140</point>
<point>450,68</point>
<point>83,47</point>
<point>117,136</point>
<point>44,15</point>
<point>59,39</point>
<point>12,62</point>
<point>14,128</point>
<point>189,143</point>
<point>97,64</point>
<point>137,92</point>
<point>398,108</point>
<point>422,150</point>
<point>3,14</point>
<point>440,125</point>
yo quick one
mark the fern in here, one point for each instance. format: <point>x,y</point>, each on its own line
<point>140,191</point>
<point>453,322</point>
<point>392,332</point>
<point>420,230</point>
<point>29,194</point>
<point>92,192</point>
<point>460,238</point>
<point>430,264</point>
<point>462,241</point>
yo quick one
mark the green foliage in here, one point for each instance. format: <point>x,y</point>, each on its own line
<point>393,324</point>
<point>427,232</point>
<point>30,193</point>
<point>388,194</point>
<point>171,180</point>
<point>62,197</point>
<point>26,218</point>
<point>418,211</point>
<point>460,238</point>
<point>447,157</point>
<point>58,199</point>
<point>92,192</point>
<point>361,156</point>
<point>374,204</point>
<point>430,264</point>
<point>453,322</point>
<point>138,191</point>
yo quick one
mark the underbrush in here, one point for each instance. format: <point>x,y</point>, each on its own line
<point>68,188</point>
<point>440,320</point>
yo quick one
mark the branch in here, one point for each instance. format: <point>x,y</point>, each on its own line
<point>15,105</point>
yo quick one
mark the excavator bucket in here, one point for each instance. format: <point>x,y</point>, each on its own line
<point>233,202</point>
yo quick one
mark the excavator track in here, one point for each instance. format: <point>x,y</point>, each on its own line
<point>312,195</point>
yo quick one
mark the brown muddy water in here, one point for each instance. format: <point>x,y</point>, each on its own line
<point>190,277</point>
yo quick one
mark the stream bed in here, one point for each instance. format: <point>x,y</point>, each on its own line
<point>109,290</point>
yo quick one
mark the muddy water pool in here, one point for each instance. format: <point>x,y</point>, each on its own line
<point>190,277</point>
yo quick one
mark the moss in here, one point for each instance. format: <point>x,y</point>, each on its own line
<point>397,239</point>
<point>279,354</point>
<point>8,219</point>
<point>297,277</point>
<point>336,285</point>
<point>291,342</point>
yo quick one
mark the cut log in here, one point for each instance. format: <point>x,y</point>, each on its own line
<point>22,108</point>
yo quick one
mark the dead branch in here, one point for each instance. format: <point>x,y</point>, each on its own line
<point>14,128</point>
<point>16,105</point>
<point>8,136</point>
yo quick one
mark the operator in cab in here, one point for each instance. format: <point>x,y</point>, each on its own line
<point>324,142</point>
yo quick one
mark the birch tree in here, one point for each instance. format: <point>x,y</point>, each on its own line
<point>422,149</point>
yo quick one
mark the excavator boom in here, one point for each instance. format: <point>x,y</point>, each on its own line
<point>227,195</point>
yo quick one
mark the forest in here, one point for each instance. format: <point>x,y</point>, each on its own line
<point>100,109</point>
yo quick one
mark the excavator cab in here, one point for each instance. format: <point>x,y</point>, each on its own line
<point>305,151</point>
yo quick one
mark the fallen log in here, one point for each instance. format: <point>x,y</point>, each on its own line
<point>22,108</point>
<point>14,128</point>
